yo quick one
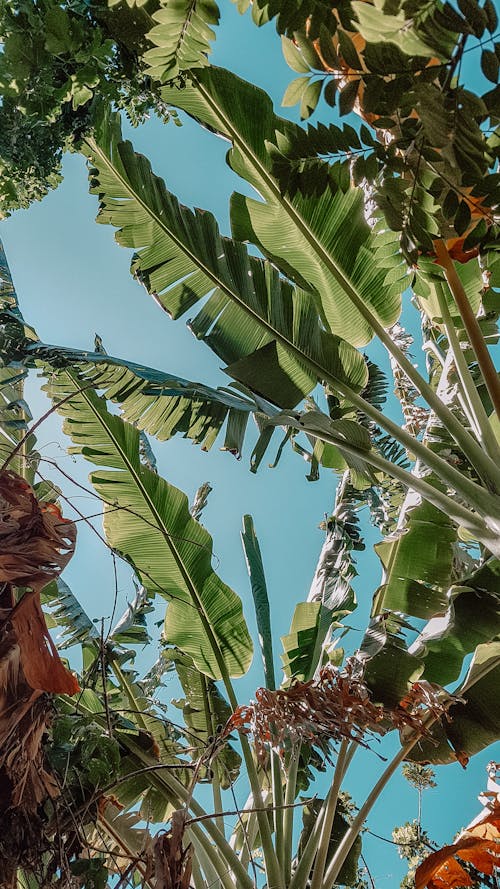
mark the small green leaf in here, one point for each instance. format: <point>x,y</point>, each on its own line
<point>293,56</point>
<point>310,99</point>
<point>327,48</point>
<point>347,97</point>
<point>308,51</point>
<point>450,204</point>
<point>462,218</point>
<point>491,16</point>
<point>474,15</point>
<point>348,51</point>
<point>490,65</point>
<point>330,92</point>
<point>295,91</point>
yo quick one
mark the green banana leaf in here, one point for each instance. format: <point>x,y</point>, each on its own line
<point>204,711</point>
<point>472,618</point>
<point>473,725</point>
<point>148,522</point>
<point>268,332</point>
<point>299,656</point>
<point>255,567</point>
<point>159,403</point>
<point>323,243</point>
<point>62,609</point>
<point>417,562</point>
<point>331,597</point>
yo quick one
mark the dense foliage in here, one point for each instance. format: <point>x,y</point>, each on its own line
<point>351,221</point>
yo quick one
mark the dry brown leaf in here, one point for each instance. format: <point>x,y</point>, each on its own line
<point>36,542</point>
<point>333,707</point>
<point>169,864</point>
<point>477,845</point>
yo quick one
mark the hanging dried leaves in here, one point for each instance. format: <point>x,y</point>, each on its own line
<point>36,542</point>
<point>333,707</point>
<point>169,864</point>
<point>477,847</point>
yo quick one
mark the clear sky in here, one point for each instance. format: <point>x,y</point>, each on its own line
<point>72,281</point>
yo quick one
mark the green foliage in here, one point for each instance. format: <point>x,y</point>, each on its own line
<point>345,219</point>
<point>56,59</point>
<point>181,36</point>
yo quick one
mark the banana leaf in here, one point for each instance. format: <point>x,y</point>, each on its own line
<point>268,333</point>
<point>148,522</point>
<point>204,711</point>
<point>323,243</point>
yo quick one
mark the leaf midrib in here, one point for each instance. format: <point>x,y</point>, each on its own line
<point>164,532</point>
<point>443,469</point>
<point>461,435</point>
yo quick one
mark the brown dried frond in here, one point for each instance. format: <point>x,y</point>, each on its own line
<point>335,706</point>
<point>36,542</point>
<point>169,864</point>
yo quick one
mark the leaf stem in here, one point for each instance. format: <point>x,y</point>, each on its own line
<point>471,324</point>
<point>441,501</point>
<point>328,818</point>
<point>288,819</point>
<point>301,876</point>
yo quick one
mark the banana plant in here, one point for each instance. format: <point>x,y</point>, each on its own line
<point>289,326</point>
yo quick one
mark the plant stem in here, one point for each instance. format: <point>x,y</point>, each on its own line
<point>279,811</point>
<point>209,718</point>
<point>301,875</point>
<point>475,404</point>
<point>471,325</point>
<point>351,834</point>
<point>471,491</point>
<point>291,785</point>
<point>328,818</point>
<point>273,870</point>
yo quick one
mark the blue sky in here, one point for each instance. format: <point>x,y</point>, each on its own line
<point>72,281</point>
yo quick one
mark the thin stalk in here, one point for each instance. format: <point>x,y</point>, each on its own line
<point>471,325</point>
<point>328,818</point>
<point>221,854</point>
<point>273,870</point>
<point>212,877</point>
<point>469,490</point>
<point>279,811</point>
<point>125,684</point>
<point>121,843</point>
<point>215,782</point>
<point>197,876</point>
<point>483,464</point>
<point>291,786</point>
<point>301,875</point>
<point>355,828</point>
<point>472,396</point>
<point>351,834</point>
